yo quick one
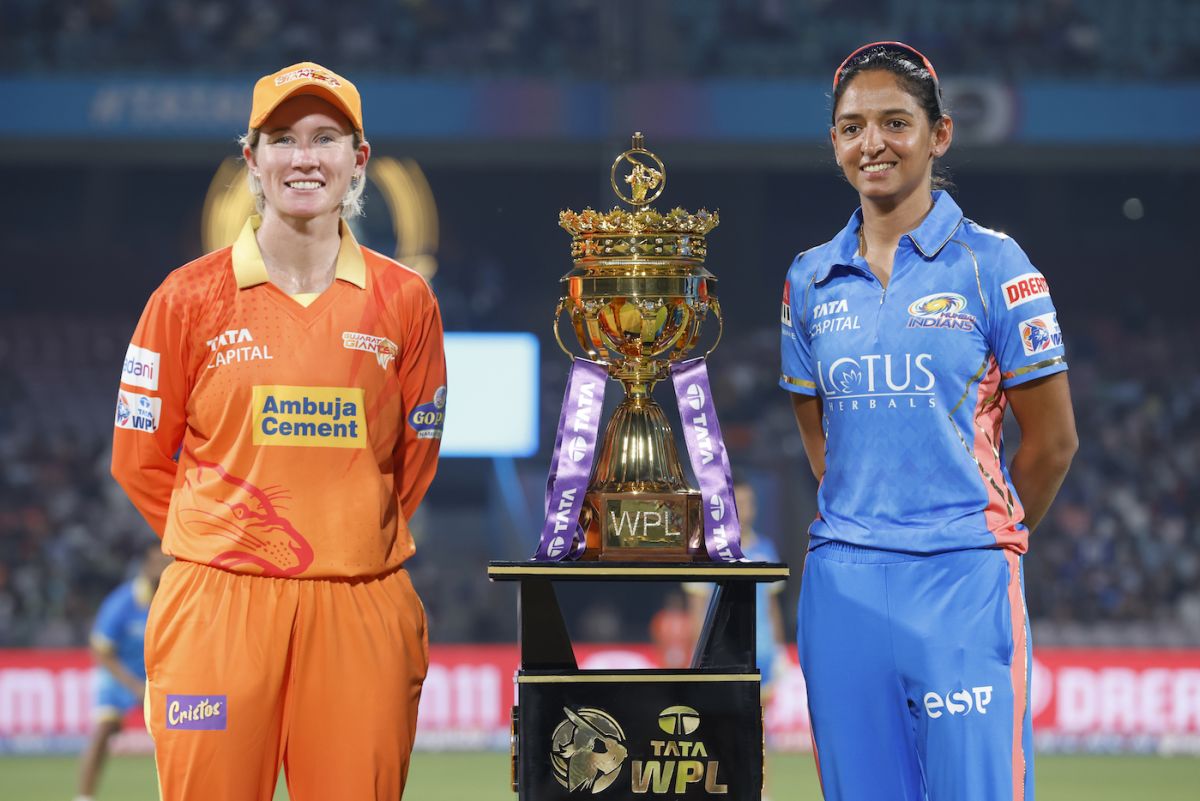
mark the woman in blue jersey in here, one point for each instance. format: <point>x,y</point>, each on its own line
<point>905,338</point>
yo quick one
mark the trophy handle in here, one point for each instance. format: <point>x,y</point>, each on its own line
<point>562,304</point>
<point>715,305</point>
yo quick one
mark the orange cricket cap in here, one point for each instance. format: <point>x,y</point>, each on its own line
<point>305,78</point>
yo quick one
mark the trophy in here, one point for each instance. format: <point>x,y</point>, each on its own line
<point>637,300</point>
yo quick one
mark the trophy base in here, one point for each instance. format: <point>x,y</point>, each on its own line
<point>644,527</point>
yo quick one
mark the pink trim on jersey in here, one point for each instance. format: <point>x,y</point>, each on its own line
<point>989,416</point>
<point>1020,673</point>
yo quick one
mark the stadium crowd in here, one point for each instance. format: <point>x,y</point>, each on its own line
<point>614,39</point>
<point>1116,562</point>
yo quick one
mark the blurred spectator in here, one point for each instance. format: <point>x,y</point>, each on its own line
<point>587,38</point>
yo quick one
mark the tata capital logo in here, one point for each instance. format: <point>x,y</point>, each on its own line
<point>695,396</point>
<point>958,702</point>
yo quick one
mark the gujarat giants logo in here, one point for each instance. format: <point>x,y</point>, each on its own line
<point>587,750</point>
<point>213,503</point>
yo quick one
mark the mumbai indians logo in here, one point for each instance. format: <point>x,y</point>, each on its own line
<point>587,750</point>
<point>695,396</point>
<point>941,310</point>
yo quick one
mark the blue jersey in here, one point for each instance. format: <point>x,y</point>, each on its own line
<point>120,625</point>
<point>911,381</point>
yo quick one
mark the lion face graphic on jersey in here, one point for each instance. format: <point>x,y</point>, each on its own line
<point>248,517</point>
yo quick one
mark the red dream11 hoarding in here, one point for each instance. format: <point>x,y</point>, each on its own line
<point>1082,699</point>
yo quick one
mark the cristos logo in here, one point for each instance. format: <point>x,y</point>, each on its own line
<point>322,417</point>
<point>197,712</point>
<point>941,310</point>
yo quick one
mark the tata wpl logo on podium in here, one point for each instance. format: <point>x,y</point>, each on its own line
<point>679,763</point>
<point>589,748</point>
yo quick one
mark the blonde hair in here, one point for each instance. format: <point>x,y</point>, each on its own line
<point>352,203</point>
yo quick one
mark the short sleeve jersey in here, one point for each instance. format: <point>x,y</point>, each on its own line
<point>306,434</point>
<point>912,377</point>
<point>120,625</point>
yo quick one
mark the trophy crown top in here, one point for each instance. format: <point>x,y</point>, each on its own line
<point>643,234</point>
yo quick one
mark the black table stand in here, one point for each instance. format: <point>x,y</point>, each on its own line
<point>637,734</point>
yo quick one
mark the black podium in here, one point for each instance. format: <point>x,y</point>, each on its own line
<point>636,734</point>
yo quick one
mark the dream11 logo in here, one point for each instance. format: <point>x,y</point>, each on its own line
<point>875,381</point>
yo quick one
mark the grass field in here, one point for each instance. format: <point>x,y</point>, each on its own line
<point>484,777</point>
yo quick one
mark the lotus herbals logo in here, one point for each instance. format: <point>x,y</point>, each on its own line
<point>679,762</point>
<point>587,750</point>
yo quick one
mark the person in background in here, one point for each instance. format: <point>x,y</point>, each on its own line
<point>118,638</point>
<point>671,633</point>
<point>770,647</point>
<point>904,339</point>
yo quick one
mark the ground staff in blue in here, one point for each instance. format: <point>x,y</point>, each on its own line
<point>905,337</point>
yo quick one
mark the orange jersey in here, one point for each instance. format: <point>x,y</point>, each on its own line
<point>306,434</point>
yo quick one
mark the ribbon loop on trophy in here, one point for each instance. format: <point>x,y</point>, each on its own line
<point>637,299</point>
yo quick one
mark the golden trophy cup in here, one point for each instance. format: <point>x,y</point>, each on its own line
<point>637,299</point>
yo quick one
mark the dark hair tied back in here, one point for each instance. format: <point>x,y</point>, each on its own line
<point>915,74</point>
<point>912,70</point>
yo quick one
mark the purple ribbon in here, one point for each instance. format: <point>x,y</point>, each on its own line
<point>571,464</point>
<point>710,462</point>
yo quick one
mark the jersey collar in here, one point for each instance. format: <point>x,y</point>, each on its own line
<point>929,237</point>
<point>938,226</point>
<point>250,270</point>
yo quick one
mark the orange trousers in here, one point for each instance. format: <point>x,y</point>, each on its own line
<point>246,673</point>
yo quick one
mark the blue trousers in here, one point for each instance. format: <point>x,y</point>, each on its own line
<point>918,674</point>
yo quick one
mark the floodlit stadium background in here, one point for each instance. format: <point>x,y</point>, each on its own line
<point>1077,131</point>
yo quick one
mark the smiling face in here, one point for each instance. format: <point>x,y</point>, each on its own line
<point>305,158</point>
<point>884,141</point>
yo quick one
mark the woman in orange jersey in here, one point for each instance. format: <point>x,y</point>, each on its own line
<point>278,422</point>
